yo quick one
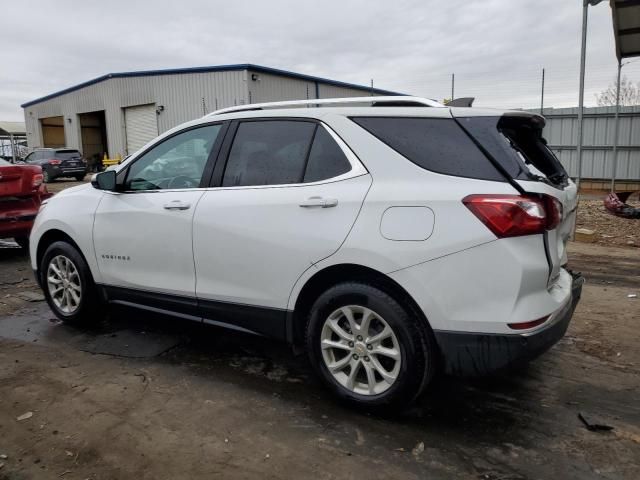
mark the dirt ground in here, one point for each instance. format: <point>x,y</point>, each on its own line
<point>609,229</point>
<point>148,398</point>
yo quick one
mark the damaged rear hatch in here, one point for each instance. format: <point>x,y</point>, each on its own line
<point>514,143</point>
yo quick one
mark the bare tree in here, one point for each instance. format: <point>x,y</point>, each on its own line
<point>629,94</point>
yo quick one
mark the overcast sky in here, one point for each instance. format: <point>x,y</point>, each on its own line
<point>496,48</point>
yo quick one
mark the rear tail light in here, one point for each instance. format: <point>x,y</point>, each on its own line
<point>554,212</point>
<point>54,162</point>
<point>515,215</point>
<point>36,180</point>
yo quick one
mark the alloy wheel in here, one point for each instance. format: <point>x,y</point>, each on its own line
<point>63,282</point>
<point>360,350</point>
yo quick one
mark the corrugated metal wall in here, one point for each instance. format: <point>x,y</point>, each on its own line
<point>561,133</point>
<point>183,96</point>
<point>268,88</point>
<point>334,91</point>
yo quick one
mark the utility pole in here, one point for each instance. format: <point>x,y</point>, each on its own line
<point>372,87</point>
<point>614,165</point>
<point>583,55</point>
<point>542,94</point>
<point>585,13</point>
<point>453,83</point>
<point>13,148</point>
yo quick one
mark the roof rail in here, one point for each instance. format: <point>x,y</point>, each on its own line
<point>395,101</point>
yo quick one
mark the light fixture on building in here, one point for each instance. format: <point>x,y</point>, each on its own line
<point>160,109</point>
<point>255,77</point>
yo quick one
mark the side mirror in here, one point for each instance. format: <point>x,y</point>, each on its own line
<point>105,181</point>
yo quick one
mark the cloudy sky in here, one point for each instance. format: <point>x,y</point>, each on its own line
<point>496,48</point>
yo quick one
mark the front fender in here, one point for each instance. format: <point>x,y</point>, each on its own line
<point>73,214</point>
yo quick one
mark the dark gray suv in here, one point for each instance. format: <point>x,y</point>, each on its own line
<point>58,162</point>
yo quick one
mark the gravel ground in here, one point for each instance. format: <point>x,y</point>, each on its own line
<point>609,229</point>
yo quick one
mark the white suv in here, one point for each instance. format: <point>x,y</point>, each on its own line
<point>391,237</point>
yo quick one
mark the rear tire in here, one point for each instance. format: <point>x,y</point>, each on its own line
<point>46,176</point>
<point>68,285</point>
<point>384,354</point>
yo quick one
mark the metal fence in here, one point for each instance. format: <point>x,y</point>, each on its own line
<point>561,133</point>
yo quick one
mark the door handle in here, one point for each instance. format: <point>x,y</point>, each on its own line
<point>177,205</point>
<point>319,202</point>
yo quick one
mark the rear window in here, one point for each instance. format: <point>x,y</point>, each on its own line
<point>516,142</point>
<point>67,154</point>
<point>435,144</point>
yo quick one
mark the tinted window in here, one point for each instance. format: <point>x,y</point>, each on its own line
<point>268,153</point>
<point>435,144</point>
<point>67,154</point>
<point>178,162</point>
<point>485,131</point>
<point>326,158</point>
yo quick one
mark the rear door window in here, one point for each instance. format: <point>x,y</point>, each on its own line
<point>270,152</point>
<point>326,158</point>
<point>435,144</point>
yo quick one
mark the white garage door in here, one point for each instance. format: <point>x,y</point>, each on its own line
<point>141,126</point>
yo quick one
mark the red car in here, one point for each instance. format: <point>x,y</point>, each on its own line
<point>21,192</point>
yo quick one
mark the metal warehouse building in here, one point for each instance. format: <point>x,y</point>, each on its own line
<point>119,112</point>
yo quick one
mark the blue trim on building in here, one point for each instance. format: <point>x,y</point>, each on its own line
<point>220,68</point>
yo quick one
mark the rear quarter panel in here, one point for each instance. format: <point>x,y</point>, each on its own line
<point>397,182</point>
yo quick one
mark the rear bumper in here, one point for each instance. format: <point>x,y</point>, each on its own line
<point>18,222</point>
<point>55,172</point>
<point>15,229</point>
<point>473,354</point>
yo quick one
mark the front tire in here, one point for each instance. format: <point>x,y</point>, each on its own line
<point>370,349</point>
<point>79,178</point>
<point>68,285</point>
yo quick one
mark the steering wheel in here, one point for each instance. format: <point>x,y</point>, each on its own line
<point>181,181</point>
